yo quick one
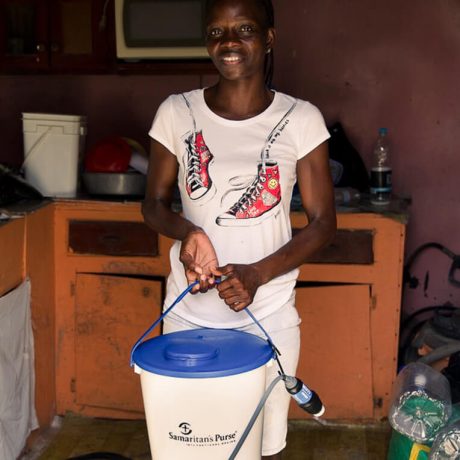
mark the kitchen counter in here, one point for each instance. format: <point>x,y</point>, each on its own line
<point>397,208</point>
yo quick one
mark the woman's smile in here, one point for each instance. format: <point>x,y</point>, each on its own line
<point>231,58</point>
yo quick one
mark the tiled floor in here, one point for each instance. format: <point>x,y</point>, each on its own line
<point>75,436</point>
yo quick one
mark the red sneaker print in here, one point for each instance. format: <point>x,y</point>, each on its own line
<point>197,161</point>
<point>258,202</point>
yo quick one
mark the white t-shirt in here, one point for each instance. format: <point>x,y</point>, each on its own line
<point>235,180</point>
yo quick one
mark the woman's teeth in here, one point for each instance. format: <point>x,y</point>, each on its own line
<point>231,58</point>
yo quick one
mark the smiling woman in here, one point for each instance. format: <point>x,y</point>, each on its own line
<point>236,149</point>
<point>244,30</point>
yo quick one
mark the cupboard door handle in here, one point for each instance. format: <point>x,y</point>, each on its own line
<point>41,48</point>
<point>110,238</point>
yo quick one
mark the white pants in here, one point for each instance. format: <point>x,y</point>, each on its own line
<point>283,328</point>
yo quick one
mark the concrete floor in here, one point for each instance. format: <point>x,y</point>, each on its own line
<point>74,436</point>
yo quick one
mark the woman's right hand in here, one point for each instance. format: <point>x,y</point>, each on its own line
<point>199,258</point>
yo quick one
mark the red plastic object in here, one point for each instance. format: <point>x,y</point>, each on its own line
<point>109,155</point>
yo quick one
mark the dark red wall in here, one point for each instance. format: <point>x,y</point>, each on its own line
<point>395,64</point>
<point>366,64</point>
<point>113,104</point>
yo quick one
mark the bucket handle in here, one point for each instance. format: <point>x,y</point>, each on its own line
<point>156,322</point>
<point>38,143</point>
<point>179,298</point>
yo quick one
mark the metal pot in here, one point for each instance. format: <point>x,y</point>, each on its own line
<point>130,183</point>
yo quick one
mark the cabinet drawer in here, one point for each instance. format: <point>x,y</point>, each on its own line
<point>112,238</point>
<point>348,247</point>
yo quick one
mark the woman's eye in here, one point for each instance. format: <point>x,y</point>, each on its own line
<point>214,33</point>
<point>246,28</point>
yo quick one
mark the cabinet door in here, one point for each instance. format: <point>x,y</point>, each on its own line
<point>81,36</point>
<point>56,35</point>
<point>111,313</point>
<point>24,35</point>
<point>335,358</point>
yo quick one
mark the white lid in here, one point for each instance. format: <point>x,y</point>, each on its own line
<point>53,117</point>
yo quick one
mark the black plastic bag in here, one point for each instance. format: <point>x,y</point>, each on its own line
<point>347,166</point>
<point>14,188</point>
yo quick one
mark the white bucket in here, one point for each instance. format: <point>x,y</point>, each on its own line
<point>200,388</point>
<point>53,147</point>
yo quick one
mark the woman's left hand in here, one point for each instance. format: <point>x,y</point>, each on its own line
<point>239,285</point>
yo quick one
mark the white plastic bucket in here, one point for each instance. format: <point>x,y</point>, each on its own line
<point>53,147</point>
<point>200,388</point>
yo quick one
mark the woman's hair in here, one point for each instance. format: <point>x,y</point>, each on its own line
<point>269,14</point>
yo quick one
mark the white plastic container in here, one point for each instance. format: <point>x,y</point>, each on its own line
<point>53,148</point>
<point>200,388</point>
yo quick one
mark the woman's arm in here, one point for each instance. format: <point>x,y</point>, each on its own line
<point>197,253</point>
<point>156,207</point>
<point>317,193</point>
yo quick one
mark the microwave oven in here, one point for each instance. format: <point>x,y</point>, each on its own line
<point>160,29</point>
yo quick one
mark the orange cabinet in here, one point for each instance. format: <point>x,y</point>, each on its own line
<point>12,236</point>
<point>336,354</point>
<point>349,296</point>
<point>103,286</point>
<point>111,313</point>
<point>97,276</point>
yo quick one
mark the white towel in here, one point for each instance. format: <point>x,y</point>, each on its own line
<point>17,374</point>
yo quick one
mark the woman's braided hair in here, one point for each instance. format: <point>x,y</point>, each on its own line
<point>267,7</point>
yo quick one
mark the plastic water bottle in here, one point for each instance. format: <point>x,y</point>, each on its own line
<point>348,196</point>
<point>381,172</point>
<point>421,403</point>
<point>307,399</point>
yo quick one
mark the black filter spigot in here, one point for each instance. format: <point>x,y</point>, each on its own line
<point>307,399</point>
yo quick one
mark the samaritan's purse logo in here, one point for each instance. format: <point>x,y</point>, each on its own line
<point>185,428</point>
<point>186,437</point>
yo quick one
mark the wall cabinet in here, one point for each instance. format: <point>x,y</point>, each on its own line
<point>56,35</point>
<point>98,296</point>
<point>72,36</point>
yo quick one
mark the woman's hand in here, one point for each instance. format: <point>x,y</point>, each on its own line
<point>199,258</point>
<point>239,284</point>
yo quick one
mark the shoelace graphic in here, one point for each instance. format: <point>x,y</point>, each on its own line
<point>252,181</point>
<point>239,183</point>
<point>274,134</point>
<point>193,164</point>
<point>251,194</point>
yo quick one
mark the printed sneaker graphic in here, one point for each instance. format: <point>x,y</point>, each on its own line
<point>258,202</point>
<point>197,160</point>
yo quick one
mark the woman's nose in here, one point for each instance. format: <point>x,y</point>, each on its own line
<point>230,38</point>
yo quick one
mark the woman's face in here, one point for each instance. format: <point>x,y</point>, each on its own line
<point>237,38</point>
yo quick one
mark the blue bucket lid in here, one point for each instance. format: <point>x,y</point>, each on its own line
<point>203,353</point>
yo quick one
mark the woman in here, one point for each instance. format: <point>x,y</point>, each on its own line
<point>236,150</point>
